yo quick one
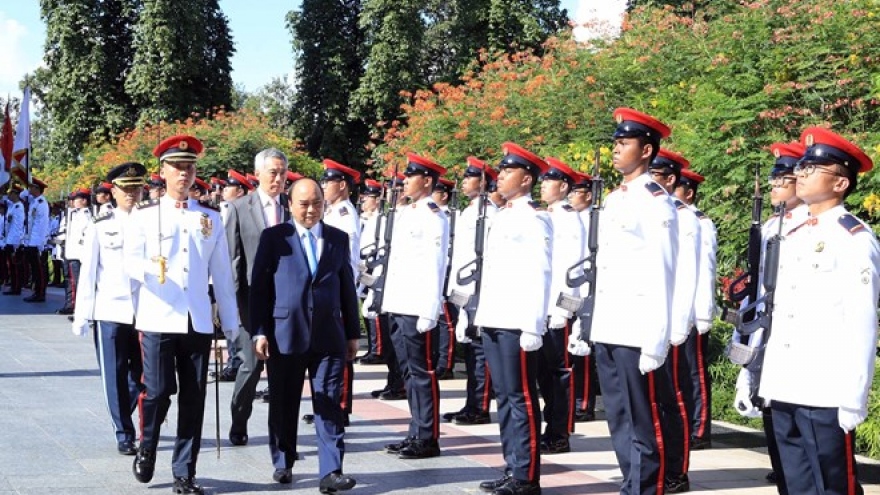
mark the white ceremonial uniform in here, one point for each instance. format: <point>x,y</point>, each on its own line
<point>822,348</point>
<point>517,265</point>
<point>193,241</point>
<point>638,245</point>
<point>80,218</point>
<point>224,211</point>
<point>686,273</point>
<point>463,243</point>
<point>344,217</point>
<point>569,243</point>
<point>704,299</point>
<point>38,223</point>
<point>417,263</point>
<point>105,289</point>
<point>14,224</point>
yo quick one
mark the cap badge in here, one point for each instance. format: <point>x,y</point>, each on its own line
<point>809,140</point>
<point>776,153</point>
<point>131,172</point>
<point>618,118</point>
<point>183,146</point>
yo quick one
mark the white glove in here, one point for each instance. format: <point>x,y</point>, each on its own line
<point>676,339</point>
<point>461,328</point>
<point>80,327</point>
<point>365,307</point>
<point>530,342</point>
<point>649,363</point>
<point>703,326</point>
<point>742,402</point>
<point>557,321</point>
<point>425,324</point>
<point>231,334</point>
<point>576,346</point>
<point>848,419</point>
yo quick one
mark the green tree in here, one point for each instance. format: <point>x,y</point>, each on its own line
<point>88,51</point>
<point>518,24</point>
<point>182,57</point>
<point>328,44</point>
<point>455,32</point>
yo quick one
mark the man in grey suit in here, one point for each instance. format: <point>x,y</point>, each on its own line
<point>247,218</point>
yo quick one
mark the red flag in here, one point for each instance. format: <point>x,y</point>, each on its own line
<point>6,140</point>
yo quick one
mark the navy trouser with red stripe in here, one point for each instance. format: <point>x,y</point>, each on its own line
<point>817,456</point>
<point>514,379</point>
<point>414,356</point>
<point>554,380</point>
<point>633,412</point>
<point>394,378</point>
<point>444,352</point>
<point>697,390</point>
<point>479,381</point>
<point>38,266</point>
<point>676,421</point>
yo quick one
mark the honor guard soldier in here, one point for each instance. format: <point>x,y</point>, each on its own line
<point>413,290</point>
<point>74,243</point>
<point>782,192</point>
<point>15,213</point>
<point>699,400</point>
<point>444,349</point>
<point>156,185</point>
<point>4,265</point>
<point>338,182</point>
<point>199,189</point>
<point>554,366</point>
<point>34,242</point>
<point>585,382</point>
<point>479,385</point>
<point>517,260</point>
<point>291,178</point>
<point>236,186</point>
<point>666,170</point>
<point>827,280</point>
<point>255,182</point>
<point>172,247</point>
<point>105,297</point>
<point>217,186</point>
<point>103,198</point>
<point>638,236</point>
<point>372,232</point>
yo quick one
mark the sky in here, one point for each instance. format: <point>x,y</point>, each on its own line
<point>261,39</point>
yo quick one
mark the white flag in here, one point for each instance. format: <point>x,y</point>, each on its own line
<point>21,149</point>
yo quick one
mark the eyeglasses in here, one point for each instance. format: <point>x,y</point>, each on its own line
<point>781,181</point>
<point>808,169</point>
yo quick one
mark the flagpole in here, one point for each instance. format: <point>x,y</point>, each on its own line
<point>27,84</point>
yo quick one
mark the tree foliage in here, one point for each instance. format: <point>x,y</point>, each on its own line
<point>522,24</point>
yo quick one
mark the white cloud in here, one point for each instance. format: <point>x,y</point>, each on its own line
<point>20,53</point>
<point>598,18</point>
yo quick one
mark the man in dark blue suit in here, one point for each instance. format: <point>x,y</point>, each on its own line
<point>304,315</point>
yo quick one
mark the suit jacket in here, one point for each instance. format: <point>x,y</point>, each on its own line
<point>244,224</point>
<point>299,313</point>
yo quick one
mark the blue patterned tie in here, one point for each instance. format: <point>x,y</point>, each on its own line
<point>311,251</point>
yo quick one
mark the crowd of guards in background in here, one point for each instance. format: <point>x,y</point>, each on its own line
<point>585,292</point>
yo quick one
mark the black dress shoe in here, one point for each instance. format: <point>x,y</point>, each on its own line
<point>771,477</point>
<point>371,359</point>
<point>393,395</point>
<point>336,482</point>
<point>395,448</point>
<point>518,487</point>
<point>226,375</point>
<point>700,443</point>
<point>679,484</point>
<point>492,485</point>
<point>186,484</point>
<point>283,476</point>
<point>451,415</point>
<point>144,465</point>
<point>445,375</point>
<point>126,447</point>
<point>35,299</point>
<point>64,311</point>
<point>555,446</point>
<point>581,416</point>
<point>472,418</point>
<point>238,438</point>
<point>308,418</point>
<point>420,449</point>
<point>377,393</point>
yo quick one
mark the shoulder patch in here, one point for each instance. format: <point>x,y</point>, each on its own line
<point>850,223</point>
<point>567,207</point>
<point>148,203</point>
<point>103,216</point>
<point>40,199</point>
<point>700,214</point>
<point>208,205</point>
<point>679,205</point>
<point>655,189</point>
<point>433,206</point>
<point>343,211</point>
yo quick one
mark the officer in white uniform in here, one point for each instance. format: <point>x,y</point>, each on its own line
<point>14,233</point>
<point>444,337</point>
<point>413,290</point>
<point>479,386</point>
<point>819,361</point>
<point>172,247</point>
<point>698,389</point>
<point>554,365</point>
<point>105,297</point>
<point>782,181</point>
<point>666,170</point>
<point>517,264</point>
<point>372,236</point>
<point>638,245</point>
<point>74,241</point>
<point>36,233</point>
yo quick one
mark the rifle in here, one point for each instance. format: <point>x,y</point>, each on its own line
<point>749,280</point>
<point>472,272</point>
<point>585,307</point>
<point>759,314</point>
<point>380,257</point>
<point>453,213</point>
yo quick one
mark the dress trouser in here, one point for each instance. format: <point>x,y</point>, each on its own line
<point>242,403</point>
<point>697,389</point>
<point>175,363</point>
<point>773,451</point>
<point>444,354</point>
<point>817,456</point>
<point>479,381</point>
<point>633,411</point>
<point>414,356</point>
<point>119,360</point>
<point>38,267</point>
<point>71,283</point>
<point>676,421</point>
<point>286,376</point>
<point>554,382</point>
<point>4,265</point>
<point>394,379</point>
<point>585,382</point>
<point>514,379</point>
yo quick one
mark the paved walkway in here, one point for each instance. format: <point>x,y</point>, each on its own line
<point>56,437</point>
